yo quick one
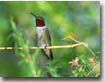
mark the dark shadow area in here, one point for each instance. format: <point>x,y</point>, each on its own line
<point>50,79</point>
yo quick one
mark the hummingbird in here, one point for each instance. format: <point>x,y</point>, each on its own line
<point>43,38</point>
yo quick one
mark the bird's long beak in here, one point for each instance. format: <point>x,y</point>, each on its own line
<point>33,14</point>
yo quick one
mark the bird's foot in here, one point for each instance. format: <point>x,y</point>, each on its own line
<point>45,46</point>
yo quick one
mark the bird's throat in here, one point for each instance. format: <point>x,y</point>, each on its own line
<point>41,28</point>
<point>40,23</point>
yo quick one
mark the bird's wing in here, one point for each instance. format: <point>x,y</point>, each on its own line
<point>48,41</point>
<point>47,37</point>
<point>36,39</point>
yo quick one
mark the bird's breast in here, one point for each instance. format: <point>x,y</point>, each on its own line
<point>40,31</point>
<point>40,36</point>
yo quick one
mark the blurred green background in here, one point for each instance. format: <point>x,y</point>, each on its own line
<point>63,18</point>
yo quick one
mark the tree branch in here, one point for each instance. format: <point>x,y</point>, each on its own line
<point>49,47</point>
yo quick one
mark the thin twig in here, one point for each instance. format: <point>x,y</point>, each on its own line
<point>70,38</point>
<point>91,51</point>
<point>92,69</point>
<point>49,47</point>
<point>32,64</point>
<point>83,43</point>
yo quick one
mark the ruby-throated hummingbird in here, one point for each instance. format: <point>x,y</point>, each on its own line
<point>43,36</point>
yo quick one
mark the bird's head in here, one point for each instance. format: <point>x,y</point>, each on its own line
<point>39,20</point>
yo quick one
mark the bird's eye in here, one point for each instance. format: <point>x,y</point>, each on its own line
<point>41,18</point>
